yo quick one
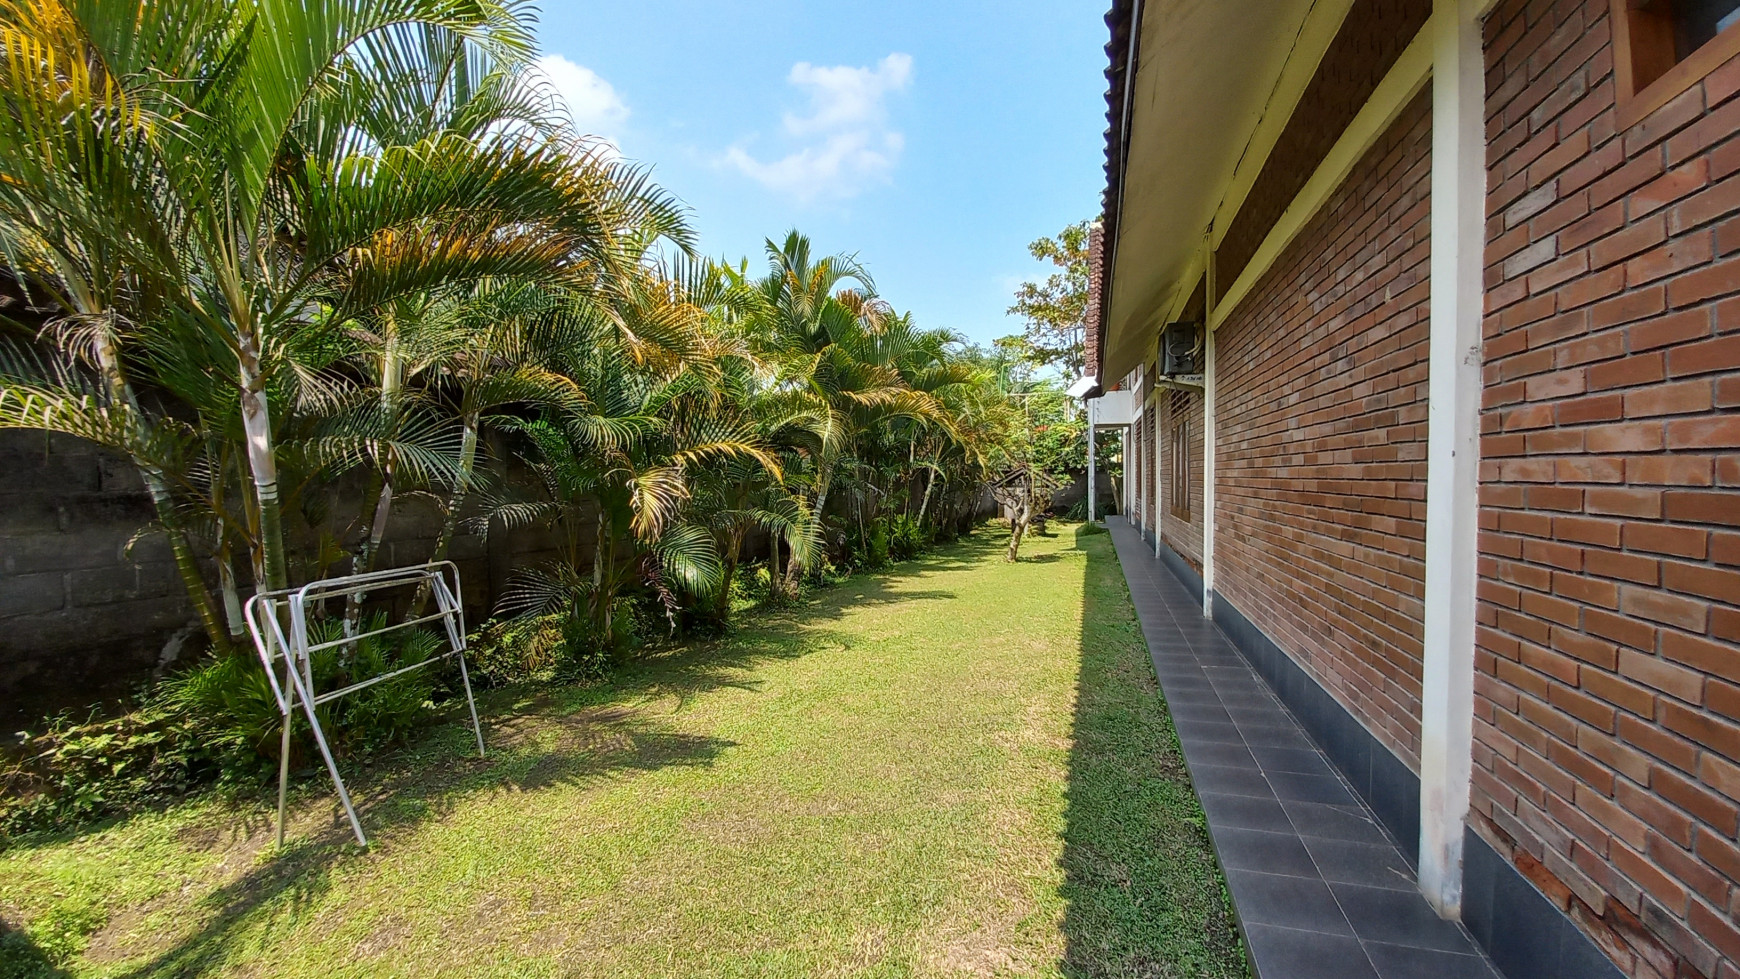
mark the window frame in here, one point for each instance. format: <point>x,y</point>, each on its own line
<point>1633,103</point>
<point>1178,411</point>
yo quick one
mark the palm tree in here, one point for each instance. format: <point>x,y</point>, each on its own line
<point>832,342</point>
<point>238,164</point>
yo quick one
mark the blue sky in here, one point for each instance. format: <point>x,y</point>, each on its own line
<point>934,139</point>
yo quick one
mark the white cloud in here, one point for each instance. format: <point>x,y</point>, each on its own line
<point>845,142</point>
<point>594,105</point>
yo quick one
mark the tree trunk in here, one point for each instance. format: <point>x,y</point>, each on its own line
<point>370,546</point>
<point>263,466</point>
<point>1017,530</point>
<point>450,520</point>
<point>186,564</point>
<point>775,573</point>
<point>363,561</point>
<point>793,569</point>
<point>733,547</point>
<point>929,487</point>
<point>232,597</point>
<point>603,578</point>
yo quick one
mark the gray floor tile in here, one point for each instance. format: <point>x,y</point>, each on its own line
<point>1270,853</point>
<point>1306,761</point>
<point>1269,734</point>
<point>1289,902</point>
<point>1212,753</point>
<point>1230,781</point>
<point>1241,697</point>
<point>1245,812</point>
<point>1401,962</point>
<point>1211,711</point>
<point>1284,953</point>
<point>1244,750</point>
<point>1207,731</point>
<point>1380,915</point>
<point>1175,697</point>
<point>1335,823</point>
<point>1294,787</point>
<point>1341,862</point>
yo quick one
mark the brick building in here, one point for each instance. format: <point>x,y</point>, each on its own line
<point>1456,459</point>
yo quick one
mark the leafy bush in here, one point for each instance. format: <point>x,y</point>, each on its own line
<point>517,650</point>
<point>906,538</point>
<point>216,723</point>
<point>73,772</point>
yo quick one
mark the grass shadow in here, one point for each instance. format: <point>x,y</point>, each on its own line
<point>1144,893</point>
<point>424,783</point>
<point>22,958</point>
<point>538,738</point>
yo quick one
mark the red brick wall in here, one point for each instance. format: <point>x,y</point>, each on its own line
<point>1321,439</point>
<point>1607,729</point>
<point>1182,534</point>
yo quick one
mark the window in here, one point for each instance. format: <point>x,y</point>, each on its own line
<point>1179,465</point>
<point>1663,47</point>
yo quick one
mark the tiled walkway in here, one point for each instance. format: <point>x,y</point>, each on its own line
<point>1318,887</point>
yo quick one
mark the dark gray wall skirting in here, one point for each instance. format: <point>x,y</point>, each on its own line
<point>1526,934</point>
<point>1148,536</point>
<point>1181,569</point>
<point>1383,780</point>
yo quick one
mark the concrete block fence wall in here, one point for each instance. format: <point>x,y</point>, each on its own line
<point>89,606</point>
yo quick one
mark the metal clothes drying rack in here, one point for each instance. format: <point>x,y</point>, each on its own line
<point>289,653</point>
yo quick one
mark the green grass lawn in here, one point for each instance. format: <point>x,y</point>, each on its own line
<point>961,767</point>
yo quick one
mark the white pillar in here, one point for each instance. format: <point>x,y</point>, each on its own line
<point>1142,453</point>
<point>1159,482</point>
<point>1211,295</point>
<point>1129,469</point>
<point>1208,384</point>
<point>1452,449</point>
<point>1091,457</point>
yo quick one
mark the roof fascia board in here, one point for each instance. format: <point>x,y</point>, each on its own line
<point>1181,293</point>
<point>1109,253</point>
<point>1405,80</point>
<point>1322,23</point>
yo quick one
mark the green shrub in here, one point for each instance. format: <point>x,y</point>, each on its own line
<point>72,772</point>
<point>516,650</point>
<point>906,539</point>
<point>216,723</point>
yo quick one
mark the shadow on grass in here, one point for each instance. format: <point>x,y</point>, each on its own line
<point>22,958</point>
<point>537,737</point>
<point>1144,894</point>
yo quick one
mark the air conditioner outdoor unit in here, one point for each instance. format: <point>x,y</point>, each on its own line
<point>1181,349</point>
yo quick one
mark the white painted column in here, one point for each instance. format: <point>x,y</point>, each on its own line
<point>1208,386</point>
<point>1090,460</point>
<point>1159,477</point>
<point>1211,295</point>
<point>1133,448</point>
<point>1452,451</point>
<point>1129,470</point>
<point>1142,484</point>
